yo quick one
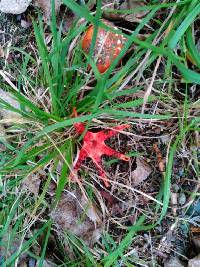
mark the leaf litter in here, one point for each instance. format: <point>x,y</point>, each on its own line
<point>141,173</point>
<point>122,6</point>
<point>45,6</point>
<point>79,216</point>
<point>32,183</point>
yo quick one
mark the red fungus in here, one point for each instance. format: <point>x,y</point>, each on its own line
<point>94,147</point>
<point>107,48</point>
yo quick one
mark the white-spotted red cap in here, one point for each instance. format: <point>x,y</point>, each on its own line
<point>107,48</point>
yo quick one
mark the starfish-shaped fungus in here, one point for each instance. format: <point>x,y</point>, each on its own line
<point>94,147</point>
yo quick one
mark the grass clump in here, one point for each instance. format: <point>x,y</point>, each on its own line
<point>154,89</point>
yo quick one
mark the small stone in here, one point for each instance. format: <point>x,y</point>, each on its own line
<point>175,188</point>
<point>182,199</point>
<point>195,262</point>
<point>25,24</point>
<point>173,262</point>
<point>14,6</point>
<point>181,172</point>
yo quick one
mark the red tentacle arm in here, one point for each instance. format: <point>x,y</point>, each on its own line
<point>94,147</point>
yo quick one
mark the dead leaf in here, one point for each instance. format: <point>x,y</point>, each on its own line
<point>75,214</point>
<point>5,113</point>
<point>141,172</point>
<point>67,18</point>
<point>91,211</point>
<point>132,4</point>
<point>107,196</point>
<point>124,5</point>
<point>45,6</point>
<point>9,246</point>
<point>14,6</point>
<point>32,183</point>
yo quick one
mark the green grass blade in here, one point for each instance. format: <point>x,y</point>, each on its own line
<point>184,26</point>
